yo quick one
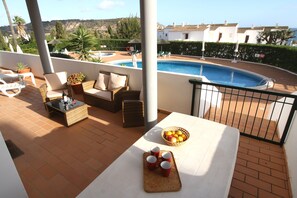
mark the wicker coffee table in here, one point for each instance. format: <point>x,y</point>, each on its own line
<point>72,113</point>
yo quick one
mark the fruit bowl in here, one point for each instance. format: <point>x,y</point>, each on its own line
<point>175,136</point>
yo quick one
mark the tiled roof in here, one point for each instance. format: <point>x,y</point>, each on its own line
<point>188,28</point>
<point>200,27</point>
<point>243,29</point>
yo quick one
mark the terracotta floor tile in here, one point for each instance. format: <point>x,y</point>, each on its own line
<point>258,183</point>
<point>247,171</point>
<point>258,167</point>
<point>235,193</point>
<point>272,180</point>
<point>245,187</point>
<point>265,194</point>
<point>47,171</point>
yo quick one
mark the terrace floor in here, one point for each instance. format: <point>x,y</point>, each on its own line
<point>61,161</point>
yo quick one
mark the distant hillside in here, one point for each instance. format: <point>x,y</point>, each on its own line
<point>71,24</point>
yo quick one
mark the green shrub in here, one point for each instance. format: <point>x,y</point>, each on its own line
<point>281,56</point>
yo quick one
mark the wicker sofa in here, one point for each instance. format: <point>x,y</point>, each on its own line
<point>109,99</point>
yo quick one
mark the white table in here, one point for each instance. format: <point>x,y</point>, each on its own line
<point>11,185</point>
<point>205,162</point>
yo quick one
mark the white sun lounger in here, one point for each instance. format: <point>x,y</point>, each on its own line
<point>15,88</point>
<point>11,77</point>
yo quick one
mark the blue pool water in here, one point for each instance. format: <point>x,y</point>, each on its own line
<point>214,73</point>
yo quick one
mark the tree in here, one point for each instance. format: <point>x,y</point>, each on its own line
<point>10,23</point>
<point>19,21</point>
<point>3,45</point>
<point>53,33</point>
<point>60,31</point>
<point>81,41</point>
<point>110,31</point>
<point>128,28</point>
<point>276,37</point>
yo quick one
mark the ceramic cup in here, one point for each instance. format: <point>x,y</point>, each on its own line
<point>165,168</point>
<point>155,150</point>
<point>166,156</point>
<point>151,162</point>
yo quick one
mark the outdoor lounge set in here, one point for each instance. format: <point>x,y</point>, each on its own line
<point>110,91</point>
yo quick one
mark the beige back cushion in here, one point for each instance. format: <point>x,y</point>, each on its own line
<point>102,81</point>
<point>56,81</point>
<point>116,81</point>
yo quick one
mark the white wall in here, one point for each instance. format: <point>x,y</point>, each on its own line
<point>274,113</point>
<point>252,36</point>
<point>290,149</point>
<point>196,36</point>
<point>172,36</point>
<point>291,140</point>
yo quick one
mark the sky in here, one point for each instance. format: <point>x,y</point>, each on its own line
<point>245,13</point>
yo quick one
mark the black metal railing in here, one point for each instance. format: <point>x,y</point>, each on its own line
<point>264,115</point>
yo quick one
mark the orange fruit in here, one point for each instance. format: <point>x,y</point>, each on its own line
<point>180,139</point>
<point>168,133</point>
<point>184,137</point>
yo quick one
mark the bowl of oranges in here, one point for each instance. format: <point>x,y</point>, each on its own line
<point>175,136</point>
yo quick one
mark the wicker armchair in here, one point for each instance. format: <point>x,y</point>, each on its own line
<point>132,109</point>
<point>55,84</point>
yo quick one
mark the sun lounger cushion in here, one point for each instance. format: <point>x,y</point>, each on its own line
<point>116,81</point>
<point>56,81</point>
<point>102,81</point>
<point>6,71</point>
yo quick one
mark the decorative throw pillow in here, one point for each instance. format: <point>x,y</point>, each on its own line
<point>102,81</point>
<point>56,81</point>
<point>116,81</point>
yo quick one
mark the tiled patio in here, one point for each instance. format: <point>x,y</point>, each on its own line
<point>60,161</point>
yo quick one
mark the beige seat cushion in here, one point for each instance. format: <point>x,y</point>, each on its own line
<point>56,93</point>
<point>99,93</point>
<point>102,81</point>
<point>56,81</point>
<point>116,81</point>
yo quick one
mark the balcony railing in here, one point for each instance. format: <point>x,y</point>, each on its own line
<point>259,114</point>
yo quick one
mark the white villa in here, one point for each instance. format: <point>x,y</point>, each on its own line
<point>227,32</point>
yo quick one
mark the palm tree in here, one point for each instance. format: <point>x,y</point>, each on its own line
<point>10,23</point>
<point>19,21</point>
<point>81,41</point>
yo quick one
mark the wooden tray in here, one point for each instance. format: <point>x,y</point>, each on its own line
<point>153,181</point>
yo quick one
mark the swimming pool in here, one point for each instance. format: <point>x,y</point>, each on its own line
<point>99,54</point>
<point>215,73</point>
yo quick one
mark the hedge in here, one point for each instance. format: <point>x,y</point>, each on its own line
<point>280,56</point>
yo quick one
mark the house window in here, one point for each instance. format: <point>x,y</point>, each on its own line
<point>186,36</point>
<point>246,39</point>
<point>220,36</point>
<point>166,34</point>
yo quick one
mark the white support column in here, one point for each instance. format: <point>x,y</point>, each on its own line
<point>33,9</point>
<point>148,13</point>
